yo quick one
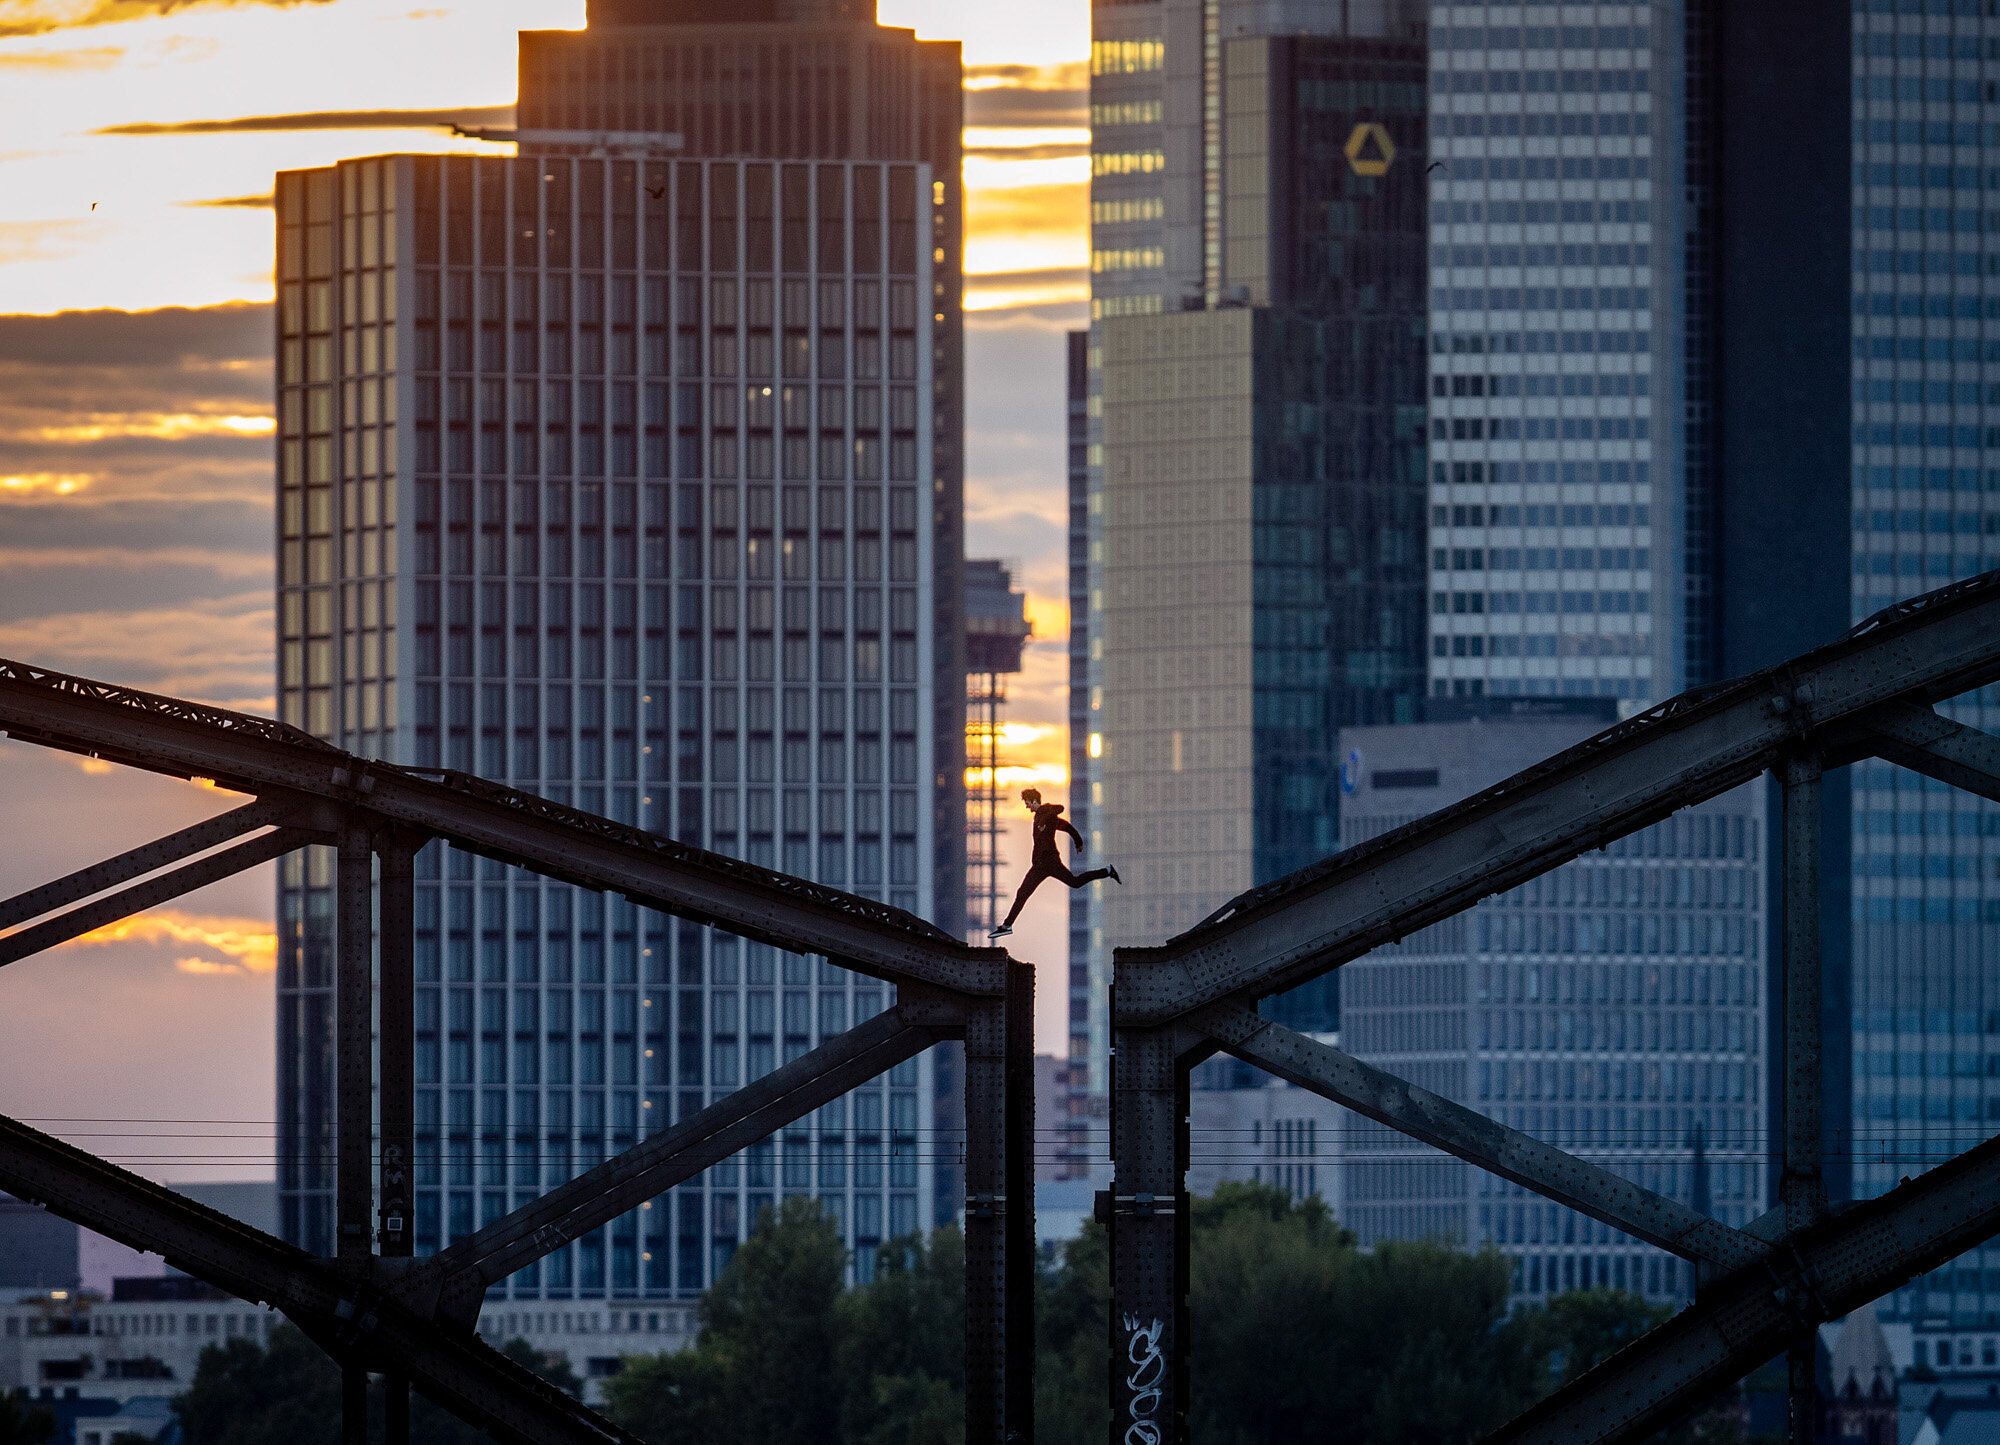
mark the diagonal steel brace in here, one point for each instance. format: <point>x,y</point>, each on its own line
<point>142,860</point>
<point>1921,740</point>
<point>78,921</point>
<point>453,1283</point>
<point>349,1319</point>
<point>1471,1136</point>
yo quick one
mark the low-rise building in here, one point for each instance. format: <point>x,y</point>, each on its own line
<point>594,1336</point>
<point>144,1342</point>
<point>1243,1124</point>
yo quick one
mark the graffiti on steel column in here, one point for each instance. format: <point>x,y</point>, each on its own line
<point>1149,1366</point>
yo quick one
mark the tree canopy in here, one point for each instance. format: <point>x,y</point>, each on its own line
<point>1298,1334</point>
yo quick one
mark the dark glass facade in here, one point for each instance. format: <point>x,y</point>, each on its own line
<point>1339,485</point>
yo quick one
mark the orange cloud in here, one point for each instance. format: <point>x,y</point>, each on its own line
<point>39,17</point>
<point>249,945</point>
<point>51,484</point>
<point>167,426</point>
<point>101,57</point>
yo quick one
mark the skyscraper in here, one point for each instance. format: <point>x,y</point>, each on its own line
<point>1557,486</point>
<point>1818,434</point>
<point>1908,369</point>
<point>625,472</point>
<point>1614,1007</point>
<point>1087,1022</point>
<point>1257,392</point>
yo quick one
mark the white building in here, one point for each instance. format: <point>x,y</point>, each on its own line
<point>143,1343</point>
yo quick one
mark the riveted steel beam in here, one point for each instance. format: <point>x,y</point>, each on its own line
<point>1147,1209</point>
<point>349,1318</point>
<point>260,813</point>
<point>1687,749</point>
<point>1919,739</point>
<point>1819,1274</point>
<point>39,938</point>
<point>354,1047</point>
<point>452,1283</point>
<point>1802,1186</point>
<point>252,755</point>
<point>1471,1136</point>
<point>395,1087</point>
<point>1000,1214</point>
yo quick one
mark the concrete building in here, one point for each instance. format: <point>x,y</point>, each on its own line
<point>1256,387</point>
<point>626,473</point>
<point>141,1343</point>
<point>1614,1007</point>
<point>1244,1125</point>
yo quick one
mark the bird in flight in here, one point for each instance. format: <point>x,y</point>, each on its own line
<point>1437,166</point>
<point>93,205</point>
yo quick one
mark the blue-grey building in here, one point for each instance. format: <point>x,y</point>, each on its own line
<point>625,472</point>
<point>1922,434</point>
<point>1614,1007</point>
<point>1798,404</point>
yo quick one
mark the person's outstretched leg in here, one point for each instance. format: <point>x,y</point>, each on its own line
<point>1077,880</point>
<point>1028,886</point>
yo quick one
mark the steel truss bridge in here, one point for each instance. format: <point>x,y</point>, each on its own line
<point>376,1309</point>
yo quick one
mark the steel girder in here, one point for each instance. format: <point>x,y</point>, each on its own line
<point>1817,1274</point>
<point>1688,749</point>
<point>1469,1135</point>
<point>259,756</point>
<point>1870,693</point>
<point>312,793</point>
<point>354,1320</point>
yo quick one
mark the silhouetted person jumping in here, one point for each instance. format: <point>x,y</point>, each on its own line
<point>1047,862</point>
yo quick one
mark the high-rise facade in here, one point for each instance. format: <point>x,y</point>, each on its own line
<point>1086,1020</point>
<point>1558,549</point>
<point>624,472</point>
<point>1255,403</point>
<point>1614,1007</point>
<point>1923,437</point>
<point>1817,425</point>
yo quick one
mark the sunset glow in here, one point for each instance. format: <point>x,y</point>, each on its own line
<point>138,144</point>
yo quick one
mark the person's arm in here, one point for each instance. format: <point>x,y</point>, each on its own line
<point>1070,828</point>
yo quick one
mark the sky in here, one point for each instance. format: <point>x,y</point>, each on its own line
<point>137,144</point>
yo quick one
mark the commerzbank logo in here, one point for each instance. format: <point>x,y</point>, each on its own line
<point>1370,152</point>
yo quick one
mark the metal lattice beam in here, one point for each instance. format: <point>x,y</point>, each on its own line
<point>453,1282</point>
<point>946,990</point>
<point>142,860</point>
<point>152,892</point>
<point>256,755</point>
<point>1469,1135</point>
<point>1837,1265</point>
<point>354,1323</point>
<point>1688,749</point>
<point>1922,741</point>
<point>1171,1005</point>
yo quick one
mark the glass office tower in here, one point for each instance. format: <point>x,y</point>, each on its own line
<point>1925,442</point>
<point>1799,405</point>
<point>1557,548</point>
<point>1257,389</point>
<point>617,472</point>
